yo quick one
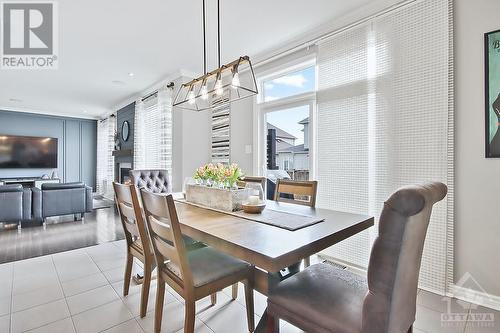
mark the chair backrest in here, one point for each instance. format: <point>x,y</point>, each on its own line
<point>251,179</point>
<point>302,192</point>
<point>394,266</point>
<point>131,216</point>
<point>166,236</point>
<point>156,181</point>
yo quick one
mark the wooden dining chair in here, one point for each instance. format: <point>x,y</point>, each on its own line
<point>323,298</point>
<point>252,179</point>
<point>137,238</point>
<point>192,274</point>
<point>302,192</point>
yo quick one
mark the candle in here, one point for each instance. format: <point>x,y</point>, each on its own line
<point>253,200</point>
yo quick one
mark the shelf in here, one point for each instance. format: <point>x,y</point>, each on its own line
<point>123,152</point>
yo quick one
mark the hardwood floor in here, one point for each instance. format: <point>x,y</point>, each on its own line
<point>61,234</point>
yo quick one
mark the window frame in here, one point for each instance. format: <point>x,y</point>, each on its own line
<point>262,108</point>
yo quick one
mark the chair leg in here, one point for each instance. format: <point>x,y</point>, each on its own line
<point>128,274</point>
<point>234,291</point>
<point>411,329</point>
<point>160,294</point>
<point>249,304</point>
<point>307,262</point>
<point>213,298</point>
<point>189,317</point>
<point>272,324</point>
<point>145,290</point>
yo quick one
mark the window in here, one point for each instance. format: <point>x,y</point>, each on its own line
<point>285,122</point>
<point>290,84</point>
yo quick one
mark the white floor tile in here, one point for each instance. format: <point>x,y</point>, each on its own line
<point>34,282</point>
<point>130,326</point>
<point>39,316</point>
<point>50,293</point>
<point>83,284</point>
<point>218,317</point>
<point>91,299</point>
<point>116,274</point>
<point>68,272</point>
<point>172,320</point>
<point>61,326</point>
<point>6,274</point>
<point>102,318</point>
<point>483,320</point>
<point>108,263</point>
<point>133,302</point>
<point>5,324</point>
<point>430,321</point>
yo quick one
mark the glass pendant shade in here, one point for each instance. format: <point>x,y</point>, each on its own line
<point>234,81</point>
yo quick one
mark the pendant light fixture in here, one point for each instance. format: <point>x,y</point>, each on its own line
<point>223,85</point>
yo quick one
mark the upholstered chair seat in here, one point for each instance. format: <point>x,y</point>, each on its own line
<point>325,299</point>
<point>322,298</point>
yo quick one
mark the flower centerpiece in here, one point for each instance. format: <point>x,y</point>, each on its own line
<point>216,187</point>
<point>218,175</point>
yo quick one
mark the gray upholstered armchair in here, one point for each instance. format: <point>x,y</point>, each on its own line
<point>156,181</point>
<point>62,199</point>
<point>15,204</point>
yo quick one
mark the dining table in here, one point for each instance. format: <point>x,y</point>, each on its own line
<point>275,252</point>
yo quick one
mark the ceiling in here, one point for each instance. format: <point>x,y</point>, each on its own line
<point>102,41</point>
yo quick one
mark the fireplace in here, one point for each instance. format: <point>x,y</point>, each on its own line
<point>123,173</point>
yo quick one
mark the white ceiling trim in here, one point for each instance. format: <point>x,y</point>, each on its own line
<point>47,113</point>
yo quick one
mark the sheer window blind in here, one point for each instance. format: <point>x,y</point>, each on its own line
<point>153,132</point>
<point>105,161</point>
<point>385,119</point>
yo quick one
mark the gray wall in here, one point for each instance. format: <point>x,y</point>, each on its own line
<point>126,113</point>
<point>477,220</point>
<point>77,144</point>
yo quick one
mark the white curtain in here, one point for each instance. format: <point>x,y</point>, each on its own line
<point>153,132</point>
<point>106,130</point>
<point>385,119</point>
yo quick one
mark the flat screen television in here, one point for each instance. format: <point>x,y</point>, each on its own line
<point>25,152</point>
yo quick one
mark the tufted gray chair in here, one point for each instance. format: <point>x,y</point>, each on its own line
<point>326,299</point>
<point>155,181</point>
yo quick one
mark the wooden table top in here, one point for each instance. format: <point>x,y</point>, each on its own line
<point>265,246</point>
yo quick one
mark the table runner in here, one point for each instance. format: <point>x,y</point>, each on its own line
<point>276,218</point>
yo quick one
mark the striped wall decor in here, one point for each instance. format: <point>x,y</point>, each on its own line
<point>221,131</point>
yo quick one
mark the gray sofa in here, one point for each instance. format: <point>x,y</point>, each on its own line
<point>15,204</point>
<point>61,199</point>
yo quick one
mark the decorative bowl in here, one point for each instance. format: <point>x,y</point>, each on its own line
<point>253,209</point>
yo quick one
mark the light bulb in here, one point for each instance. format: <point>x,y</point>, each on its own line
<point>191,96</point>
<point>204,91</point>
<point>236,80</point>
<point>218,87</point>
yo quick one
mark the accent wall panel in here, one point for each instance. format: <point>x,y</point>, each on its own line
<point>72,151</point>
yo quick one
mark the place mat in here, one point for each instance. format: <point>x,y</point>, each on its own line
<point>276,218</point>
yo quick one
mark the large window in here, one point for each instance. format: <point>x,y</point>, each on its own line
<point>285,122</point>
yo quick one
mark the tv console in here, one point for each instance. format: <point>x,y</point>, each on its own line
<point>28,182</point>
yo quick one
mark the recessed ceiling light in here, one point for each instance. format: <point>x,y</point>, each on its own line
<point>17,100</point>
<point>131,74</point>
<point>118,82</point>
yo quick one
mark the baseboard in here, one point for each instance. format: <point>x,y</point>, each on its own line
<point>476,297</point>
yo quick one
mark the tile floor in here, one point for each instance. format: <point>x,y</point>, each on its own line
<point>80,291</point>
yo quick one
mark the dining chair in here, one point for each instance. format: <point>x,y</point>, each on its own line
<point>252,179</point>
<point>137,238</point>
<point>302,192</point>
<point>192,274</point>
<point>323,298</point>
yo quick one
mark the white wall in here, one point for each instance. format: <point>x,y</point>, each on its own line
<point>191,141</point>
<point>477,214</point>
<point>242,133</point>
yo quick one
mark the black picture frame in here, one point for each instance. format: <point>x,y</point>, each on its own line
<point>125,131</point>
<point>492,145</point>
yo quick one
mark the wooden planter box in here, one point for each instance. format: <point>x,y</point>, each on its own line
<point>216,198</point>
